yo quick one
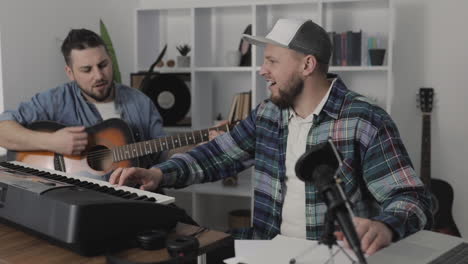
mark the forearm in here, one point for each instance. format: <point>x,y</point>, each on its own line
<point>407,213</point>
<point>222,157</point>
<point>14,136</point>
<point>390,177</point>
<point>201,164</point>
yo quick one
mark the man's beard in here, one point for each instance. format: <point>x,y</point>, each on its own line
<point>287,97</point>
<point>101,98</point>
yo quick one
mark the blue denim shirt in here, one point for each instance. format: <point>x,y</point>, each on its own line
<point>66,105</point>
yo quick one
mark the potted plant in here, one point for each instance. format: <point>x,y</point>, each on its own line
<point>183,60</point>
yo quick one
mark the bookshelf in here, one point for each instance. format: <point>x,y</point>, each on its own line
<point>213,29</point>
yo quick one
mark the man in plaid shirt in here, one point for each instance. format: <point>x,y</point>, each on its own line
<point>307,106</point>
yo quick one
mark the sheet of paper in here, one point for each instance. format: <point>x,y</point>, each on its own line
<point>283,249</point>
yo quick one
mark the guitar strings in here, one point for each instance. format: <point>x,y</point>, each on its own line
<point>104,153</point>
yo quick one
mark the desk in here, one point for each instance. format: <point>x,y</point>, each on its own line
<point>19,247</point>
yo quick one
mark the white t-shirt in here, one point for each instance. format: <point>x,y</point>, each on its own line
<point>294,223</point>
<point>107,110</point>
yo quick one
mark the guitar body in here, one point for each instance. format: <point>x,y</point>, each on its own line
<point>96,160</point>
<point>443,219</point>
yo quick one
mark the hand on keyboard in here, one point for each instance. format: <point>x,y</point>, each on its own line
<point>149,179</point>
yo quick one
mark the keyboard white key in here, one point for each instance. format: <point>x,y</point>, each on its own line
<point>162,199</point>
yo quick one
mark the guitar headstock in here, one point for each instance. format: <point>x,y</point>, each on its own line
<point>426,99</point>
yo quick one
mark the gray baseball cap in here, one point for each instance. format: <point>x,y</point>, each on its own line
<point>300,35</point>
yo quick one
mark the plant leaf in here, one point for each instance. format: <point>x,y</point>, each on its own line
<point>107,40</point>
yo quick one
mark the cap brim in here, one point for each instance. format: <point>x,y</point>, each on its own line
<point>261,41</point>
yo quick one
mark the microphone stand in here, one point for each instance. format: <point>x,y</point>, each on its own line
<point>320,165</point>
<point>328,238</point>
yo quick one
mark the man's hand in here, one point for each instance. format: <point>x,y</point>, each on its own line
<point>214,133</point>
<point>374,235</point>
<point>149,179</point>
<point>69,140</point>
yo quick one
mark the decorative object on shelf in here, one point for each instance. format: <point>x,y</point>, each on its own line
<point>149,74</point>
<point>239,218</point>
<point>169,92</point>
<point>230,181</point>
<point>171,95</point>
<point>245,49</point>
<point>107,40</point>
<point>219,120</point>
<point>160,64</point>
<point>183,60</point>
<point>376,56</point>
<point>170,63</point>
<point>376,51</point>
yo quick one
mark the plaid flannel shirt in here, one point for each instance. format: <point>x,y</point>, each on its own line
<point>377,174</point>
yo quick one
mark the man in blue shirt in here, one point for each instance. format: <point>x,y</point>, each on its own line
<point>91,97</point>
<point>307,106</point>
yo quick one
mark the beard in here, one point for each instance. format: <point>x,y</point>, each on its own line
<point>99,97</point>
<point>287,97</point>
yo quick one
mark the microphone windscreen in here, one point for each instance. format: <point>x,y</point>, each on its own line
<point>323,176</point>
<point>308,161</point>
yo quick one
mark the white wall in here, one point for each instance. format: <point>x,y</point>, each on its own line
<point>32,32</point>
<point>431,50</point>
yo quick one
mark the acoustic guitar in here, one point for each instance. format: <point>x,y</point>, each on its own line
<point>442,192</point>
<point>110,145</point>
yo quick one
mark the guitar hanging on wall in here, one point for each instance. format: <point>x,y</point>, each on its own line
<point>442,192</point>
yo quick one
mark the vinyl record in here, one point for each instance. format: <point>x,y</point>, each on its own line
<point>171,96</point>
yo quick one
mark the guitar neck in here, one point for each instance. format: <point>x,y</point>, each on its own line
<point>143,148</point>
<point>426,150</point>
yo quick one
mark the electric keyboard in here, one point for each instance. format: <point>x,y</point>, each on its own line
<point>85,215</point>
<point>91,183</point>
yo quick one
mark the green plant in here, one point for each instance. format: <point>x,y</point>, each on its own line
<point>107,40</point>
<point>183,49</point>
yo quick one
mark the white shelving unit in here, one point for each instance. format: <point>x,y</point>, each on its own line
<point>213,28</point>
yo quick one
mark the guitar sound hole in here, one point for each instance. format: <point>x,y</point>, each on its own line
<point>99,158</point>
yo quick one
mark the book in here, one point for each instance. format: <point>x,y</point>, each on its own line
<point>232,111</point>
<point>337,49</point>
<point>356,48</point>
<point>240,107</point>
<point>347,48</point>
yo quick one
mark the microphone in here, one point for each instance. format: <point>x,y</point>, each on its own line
<point>319,166</point>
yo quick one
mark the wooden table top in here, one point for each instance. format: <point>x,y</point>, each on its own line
<point>17,246</point>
